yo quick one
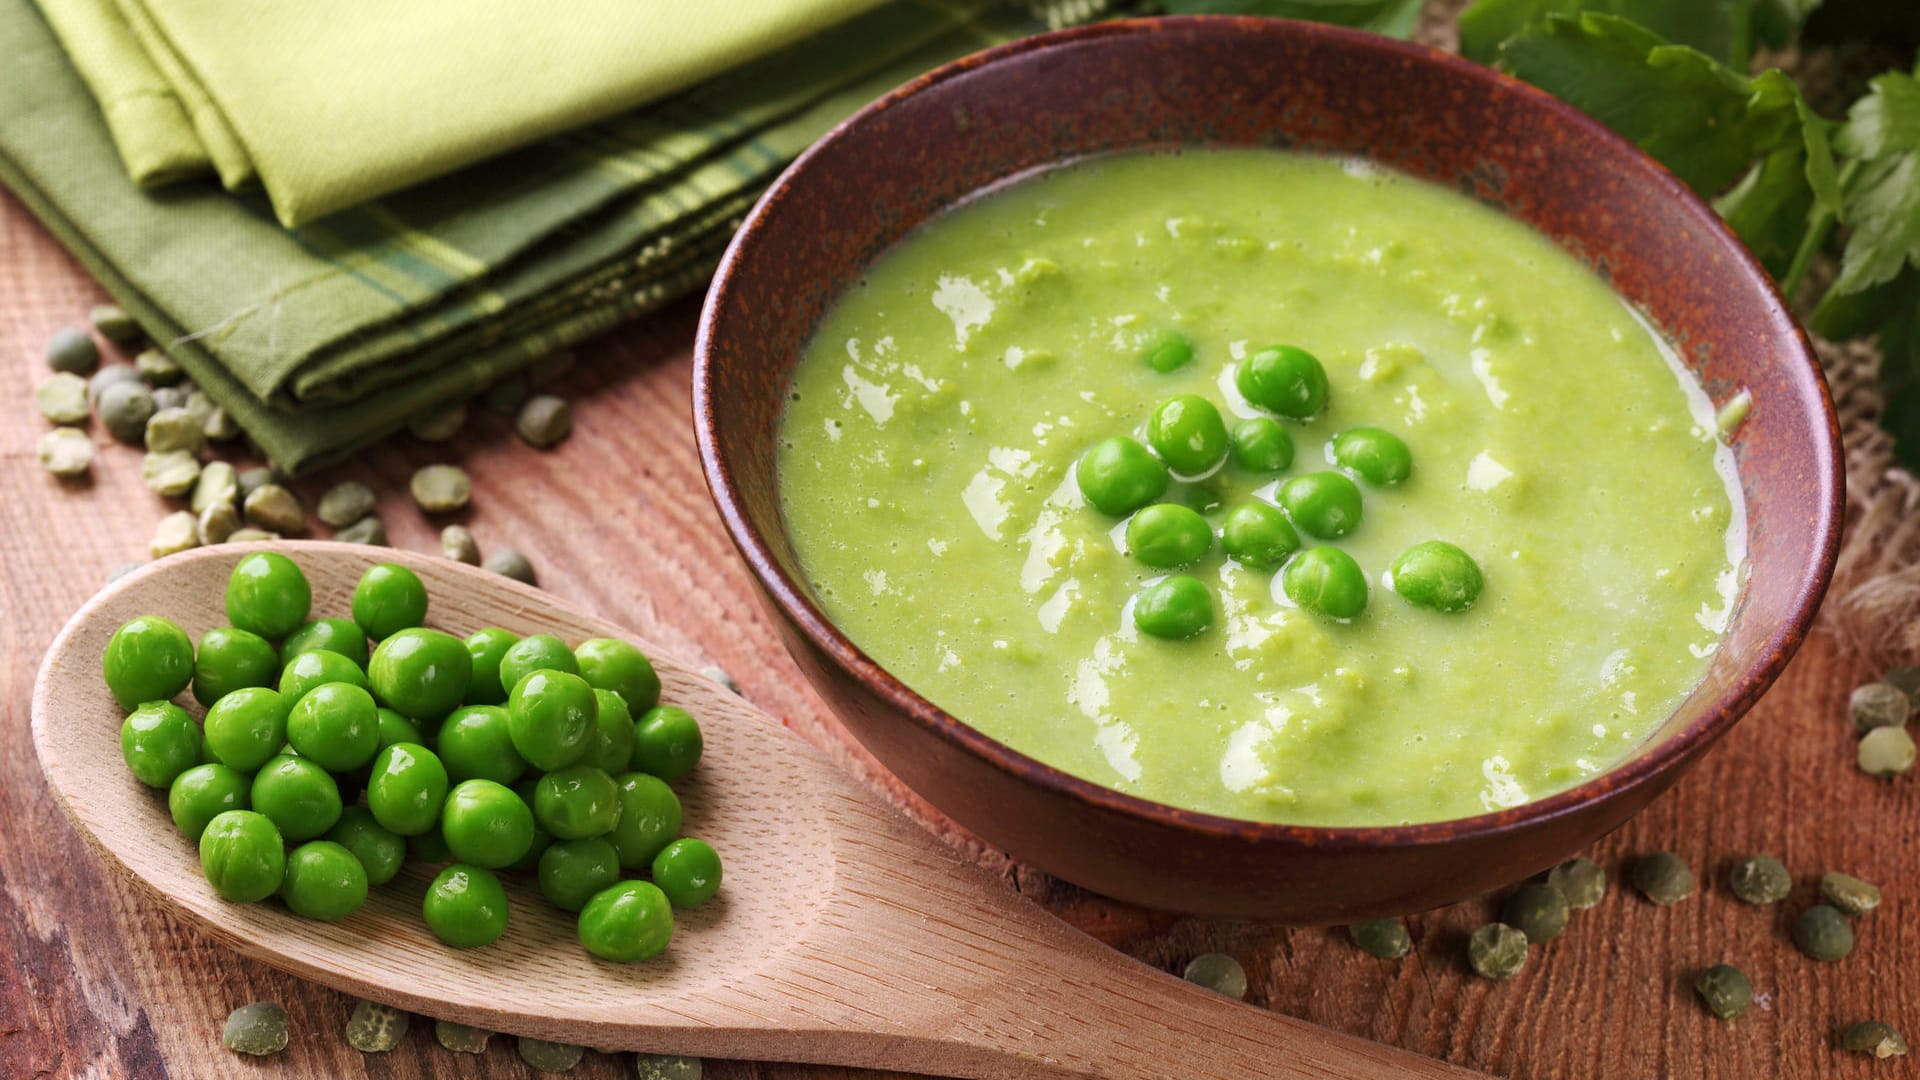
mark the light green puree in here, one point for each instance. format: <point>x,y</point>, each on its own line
<point>926,473</point>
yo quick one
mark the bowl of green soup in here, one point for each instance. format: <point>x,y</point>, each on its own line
<point>1262,469</point>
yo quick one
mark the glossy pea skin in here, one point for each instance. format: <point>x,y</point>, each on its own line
<point>389,598</point>
<point>476,743</point>
<point>1168,350</point>
<point>1175,608</point>
<point>1258,535</point>
<point>420,673</point>
<point>298,796</point>
<point>242,856</point>
<point>486,824</point>
<point>1119,476</point>
<point>268,595</point>
<point>1326,580</point>
<point>395,728</point>
<point>650,818</point>
<point>1261,445</point>
<point>688,871</point>
<point>1437,576</point>
<point>407,789</point>
<point>317,667</point>
<point>536,652</point>
<point>485,648</point>
<point>159,741</point>
<point>247,727</point>
<point>576,802</point>
<point>1286,380</point>
<point>551,716</point>
<point>203,793</point>
<point>613,733</point>
<point>147,659</point>
<point>1322,504</point>
<point>323,881</point>
<point>466,906</point>
<point>1188,434</point>
<point>612,664</point>
<point>1167,536</point>
<point>379,849</point>
<point>342,636</point>
<point>336,725</point>
<point>627,922</point>
<point>1379,457</point>
<point>667,742</point>
<point>572,871</point>
<point>230,659</point>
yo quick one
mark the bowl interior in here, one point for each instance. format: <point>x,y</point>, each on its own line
<point>1267,83</point>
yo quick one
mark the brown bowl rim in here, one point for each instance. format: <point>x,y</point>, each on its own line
<point>1648,763</point>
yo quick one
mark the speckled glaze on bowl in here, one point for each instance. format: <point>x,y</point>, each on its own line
<point>1253,82</point>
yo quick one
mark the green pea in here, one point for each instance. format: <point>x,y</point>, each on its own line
<point>1325,580</point>
<point>247,727</point>
<point>147,659</point>
<point>230,658</point>
<point>551,716</point>
<point>611,664</point>
<point>486,648</point>
<point>1580,880</point>
<point>1119,476</point>
<point>395,728</point>
<point>1438,576</point>
<point>476,743</point>
<point>466,906</point>
<point>1168,535</point>
<point>1874,1037</point>
<point>342,636</point>
<point>688,871</point>
<point>1168,350</point>
<point>1322,504</point>
<point>1823,933</point>
<point>1497,951</point>
<point>667,742</point>
<point>159,741</point>
<point>627,922</point>
<point>1848,893</point>
<point>379,850</point>
<point>1261,445</point>
<point>1174,608</point>
<point>536,652</point>
<point>572,871</point>
<point>649,819</point>
<point>1385,938</point>
<point>486,824</point>
<point>323,881</point>
<point>1188,434</point>
<point>389,598</point>
<point>317,667</point>
<point>336,725</point>
<point>613,733</point>
<point>1378,456</point>
<point>1258,535</point>
<point>1663,878</point>
<point>576,802</point>
<point>420,673</point>
<point>268,595</point>
<point>408,789</point>
<point>1725,990</point>
<point>1538,911</point>
<point>203,793</point>
<point>1286,380</point>
<point>1760,880</point>
<point>298,796</point>
<point>242,856</point>
<point>1219,973</point>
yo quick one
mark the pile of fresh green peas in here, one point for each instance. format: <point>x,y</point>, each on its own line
<point>1187,439</point>
<point>497,753</point>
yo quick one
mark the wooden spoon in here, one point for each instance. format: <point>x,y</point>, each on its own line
<point>844,934</point>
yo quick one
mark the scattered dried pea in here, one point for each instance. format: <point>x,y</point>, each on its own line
<point>1878,705</point>
<point>176,532</point>
<point>549,1056</point>
<point>252,480</point>
<point>218,523</point>
<point>170,397</point>
<point>247,534</point>
<point>171,473</point>
<point>460,1038</point>
<point>441,489</point>
<point>215,422</point>
<point>1497,951</point>
<point>1219,973</point>
<point>457,543</point>
<point>274,507</point>
<point>175,429</point>
<point>1384,938</point>
<point>218,484</point>
<point>510,563</point>
<point>1725,990</point>
<point>62,398</point>
<point>345,503</point>
<point>1663,878</point>
<point>114,324</point>
<point>544,421</point>
<point>108,375</point>
<point>72,350</point>
<point>65,451</point>
<point>159,369</point>
<point>1848,893</point>
<point>259,1029</point>
<point>438,423</point>
<point>1823,933</point>
<point>1538,911</point>
<point>1761,879</point>
<point>1874,1037</point>
<point>1580,880</point>
<point>368,530</point>
<point>125,408</point>
<point>375,1028</point>
<point>1885,752</point>
<point>666,1067</point>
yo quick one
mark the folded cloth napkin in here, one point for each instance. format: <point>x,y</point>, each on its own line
<point>320,340</point>
<point>331,104</point>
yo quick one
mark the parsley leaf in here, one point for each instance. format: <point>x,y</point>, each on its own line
<point>1719,28</point>
<point>1882,133</point>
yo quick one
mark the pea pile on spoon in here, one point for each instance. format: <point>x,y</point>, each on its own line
<point>489,754</point>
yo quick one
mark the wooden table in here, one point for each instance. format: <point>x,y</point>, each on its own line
<point>96,981</point>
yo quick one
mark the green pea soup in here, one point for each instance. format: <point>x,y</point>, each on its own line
<point>927,460</point>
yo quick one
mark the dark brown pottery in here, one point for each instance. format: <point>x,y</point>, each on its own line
<point>1254,82</point>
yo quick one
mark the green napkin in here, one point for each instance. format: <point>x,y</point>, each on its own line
<point>331,104</point>
<point>322,339</point>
